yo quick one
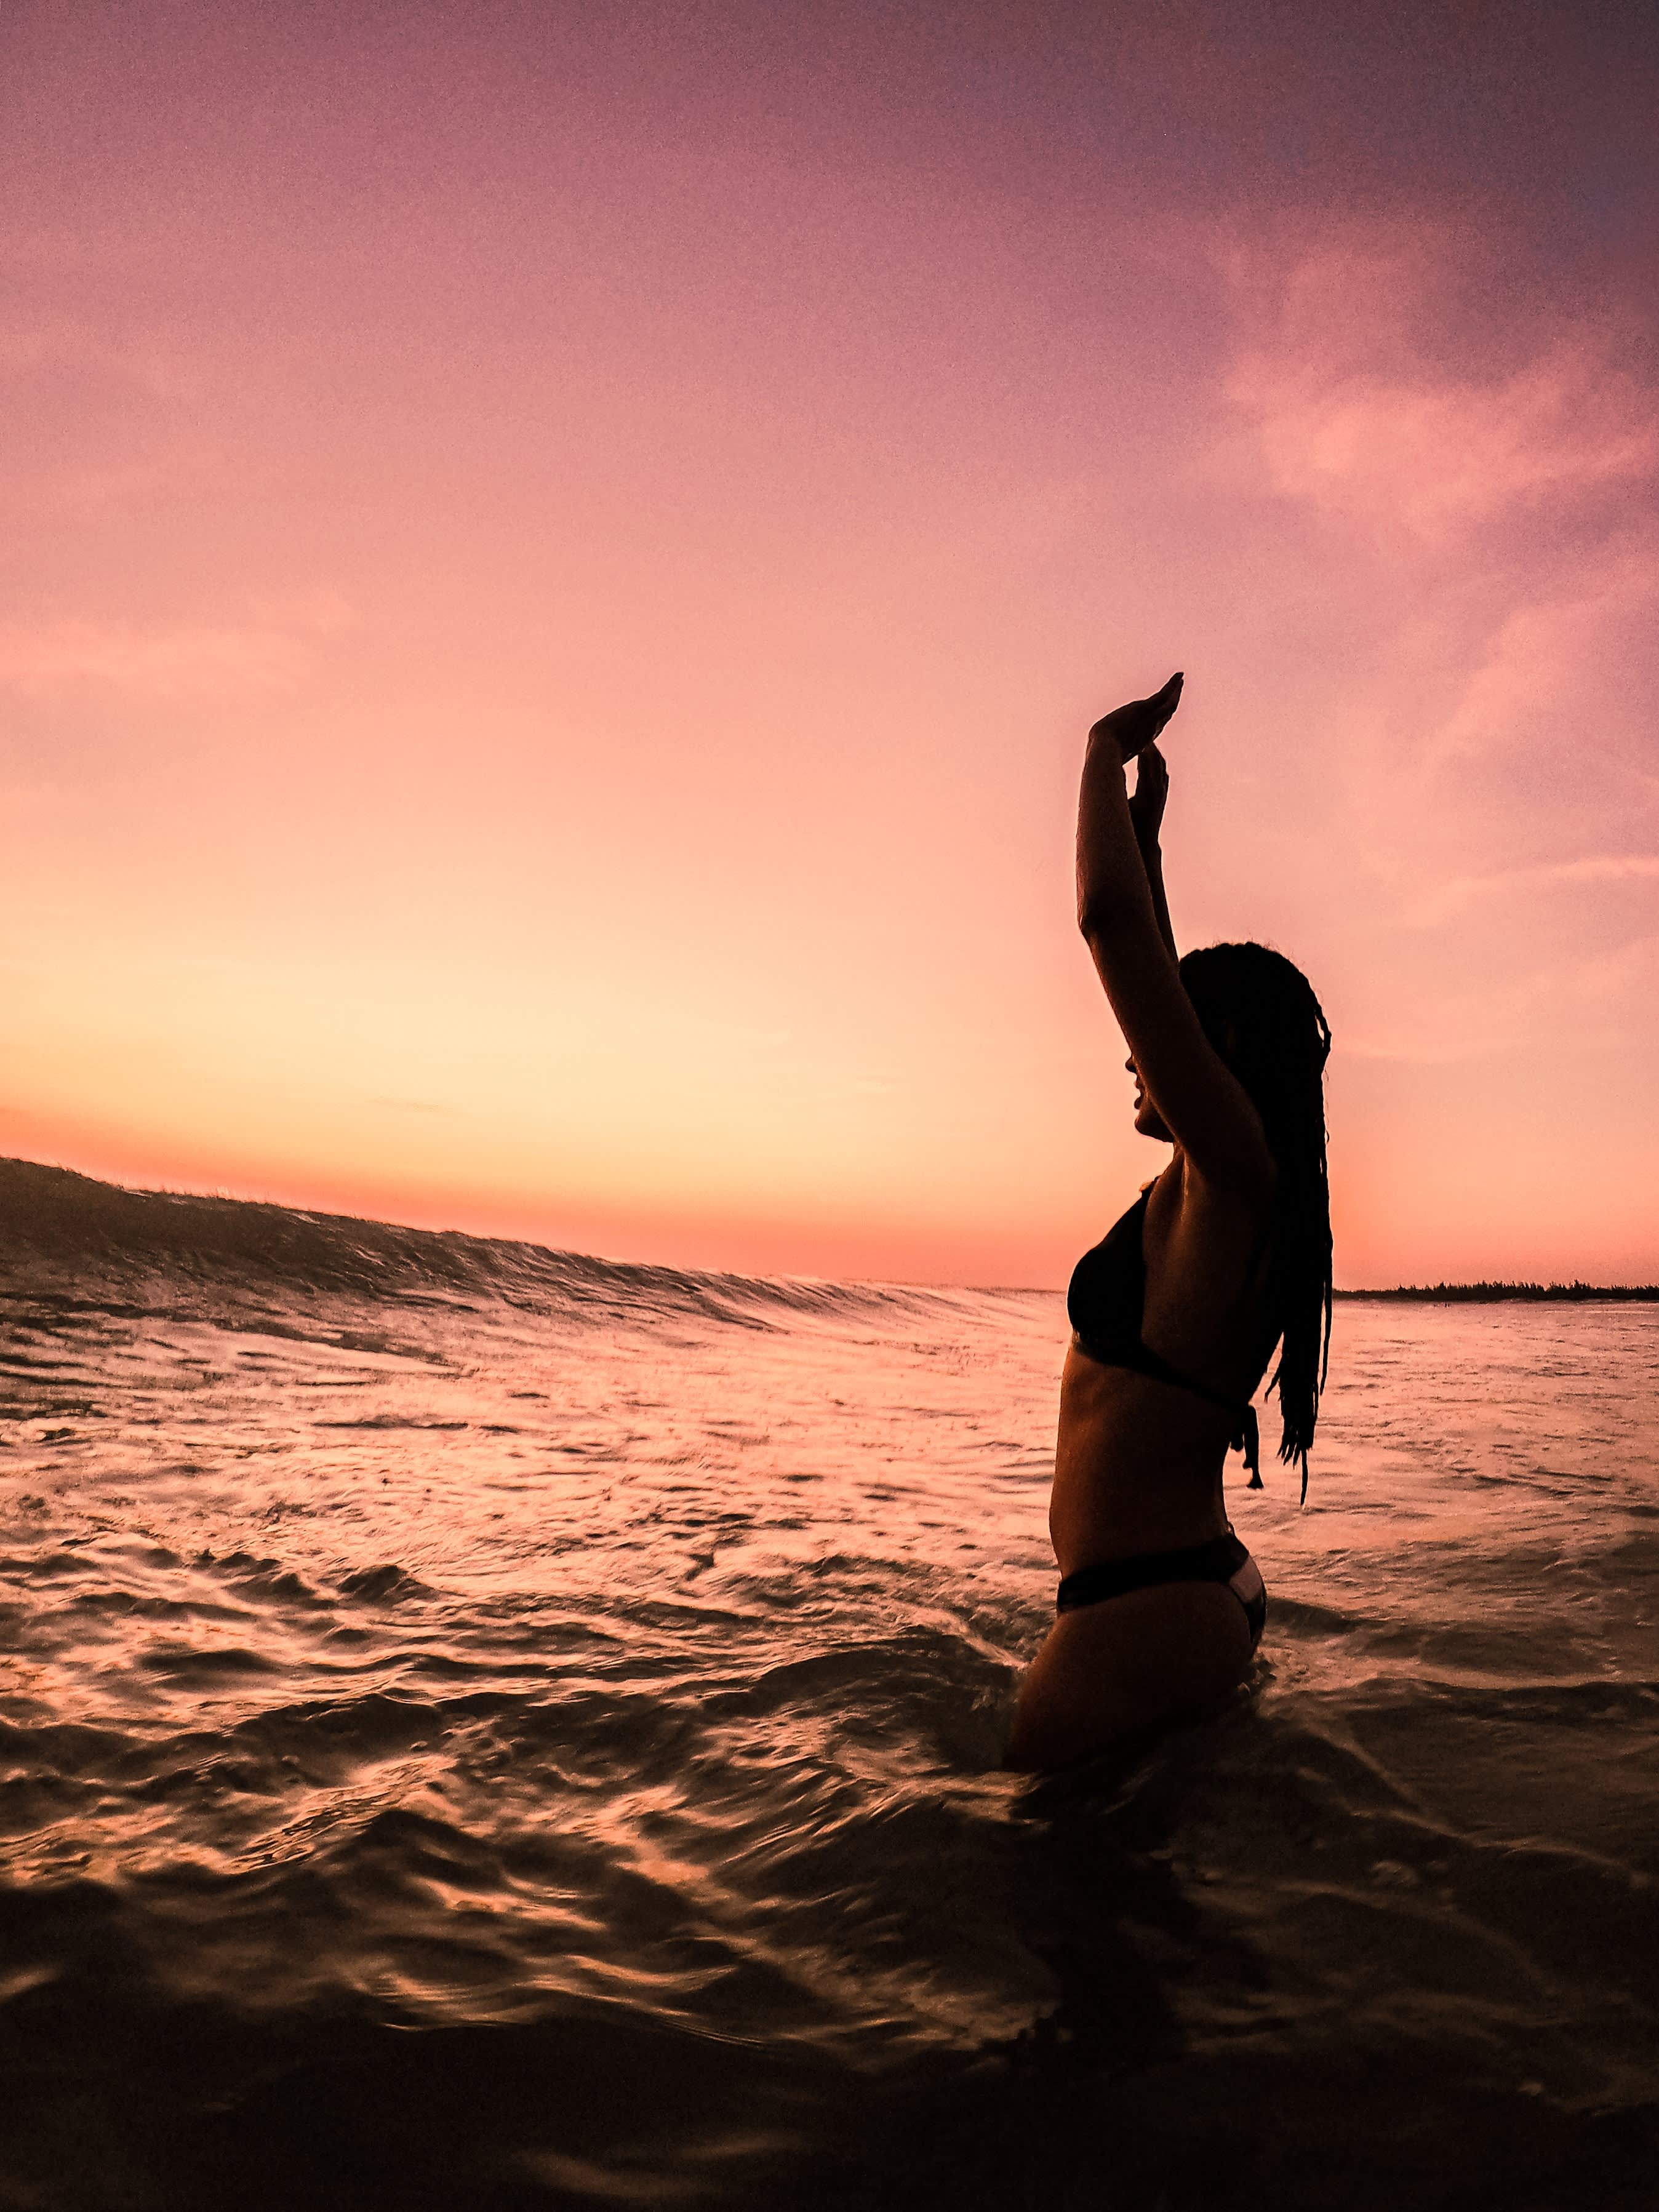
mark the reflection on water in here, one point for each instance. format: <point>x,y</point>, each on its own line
<point>501,1731</point>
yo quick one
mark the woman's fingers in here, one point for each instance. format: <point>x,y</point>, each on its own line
<point>1164,702</point>
<point>1136,725</point>
<point>1152,789</point>
<point>1151,769</point>
<point>1152,776</point>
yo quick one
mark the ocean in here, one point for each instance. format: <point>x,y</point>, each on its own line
<point>486,1727</point>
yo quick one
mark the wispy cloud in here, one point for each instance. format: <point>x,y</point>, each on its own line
<point>1349,404</point>
<point>1558,665</point>
<point>173,664</point>
<point>1464,891</point>
<point>1579,1001</point>
<point>59,345</point>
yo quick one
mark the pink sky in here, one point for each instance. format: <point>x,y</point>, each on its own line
<point>556,573</point>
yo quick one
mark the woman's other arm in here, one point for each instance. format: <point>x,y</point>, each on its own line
<point>1146,804</point>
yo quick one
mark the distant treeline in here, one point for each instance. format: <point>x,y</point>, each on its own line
<point>1474,1293</point>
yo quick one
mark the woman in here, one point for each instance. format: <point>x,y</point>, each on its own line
<point>1178,1312</point>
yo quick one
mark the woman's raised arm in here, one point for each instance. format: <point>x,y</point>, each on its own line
<point>1122,917</point>
<point>1113,881</point>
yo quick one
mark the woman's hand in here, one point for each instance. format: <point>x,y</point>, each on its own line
<point>1147,799</point>
<point>1132,728</point>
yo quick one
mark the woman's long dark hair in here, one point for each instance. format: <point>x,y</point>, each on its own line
<point>1259,1011</point>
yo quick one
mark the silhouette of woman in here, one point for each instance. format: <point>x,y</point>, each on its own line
<point>1176,1314</point>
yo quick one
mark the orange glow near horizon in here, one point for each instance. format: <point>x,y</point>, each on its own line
<point>560,572</point>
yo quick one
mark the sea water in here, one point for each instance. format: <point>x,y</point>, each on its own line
<point>489,1729</point>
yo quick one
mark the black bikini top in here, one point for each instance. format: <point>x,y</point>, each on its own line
<point>1106,1300</point>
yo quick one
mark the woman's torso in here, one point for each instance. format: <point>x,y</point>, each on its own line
<point>1139,1461</point>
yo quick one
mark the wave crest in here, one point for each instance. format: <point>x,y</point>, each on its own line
<point>57,1222</point>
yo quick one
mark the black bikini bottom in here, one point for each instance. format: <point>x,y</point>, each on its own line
<point>1223,1559</point>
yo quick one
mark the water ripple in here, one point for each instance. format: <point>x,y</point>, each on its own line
<point>483,1728</point>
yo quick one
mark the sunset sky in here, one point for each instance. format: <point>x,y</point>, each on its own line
<point>558,558</point>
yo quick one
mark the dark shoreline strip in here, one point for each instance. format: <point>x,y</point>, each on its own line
<point>1496,1293</point>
